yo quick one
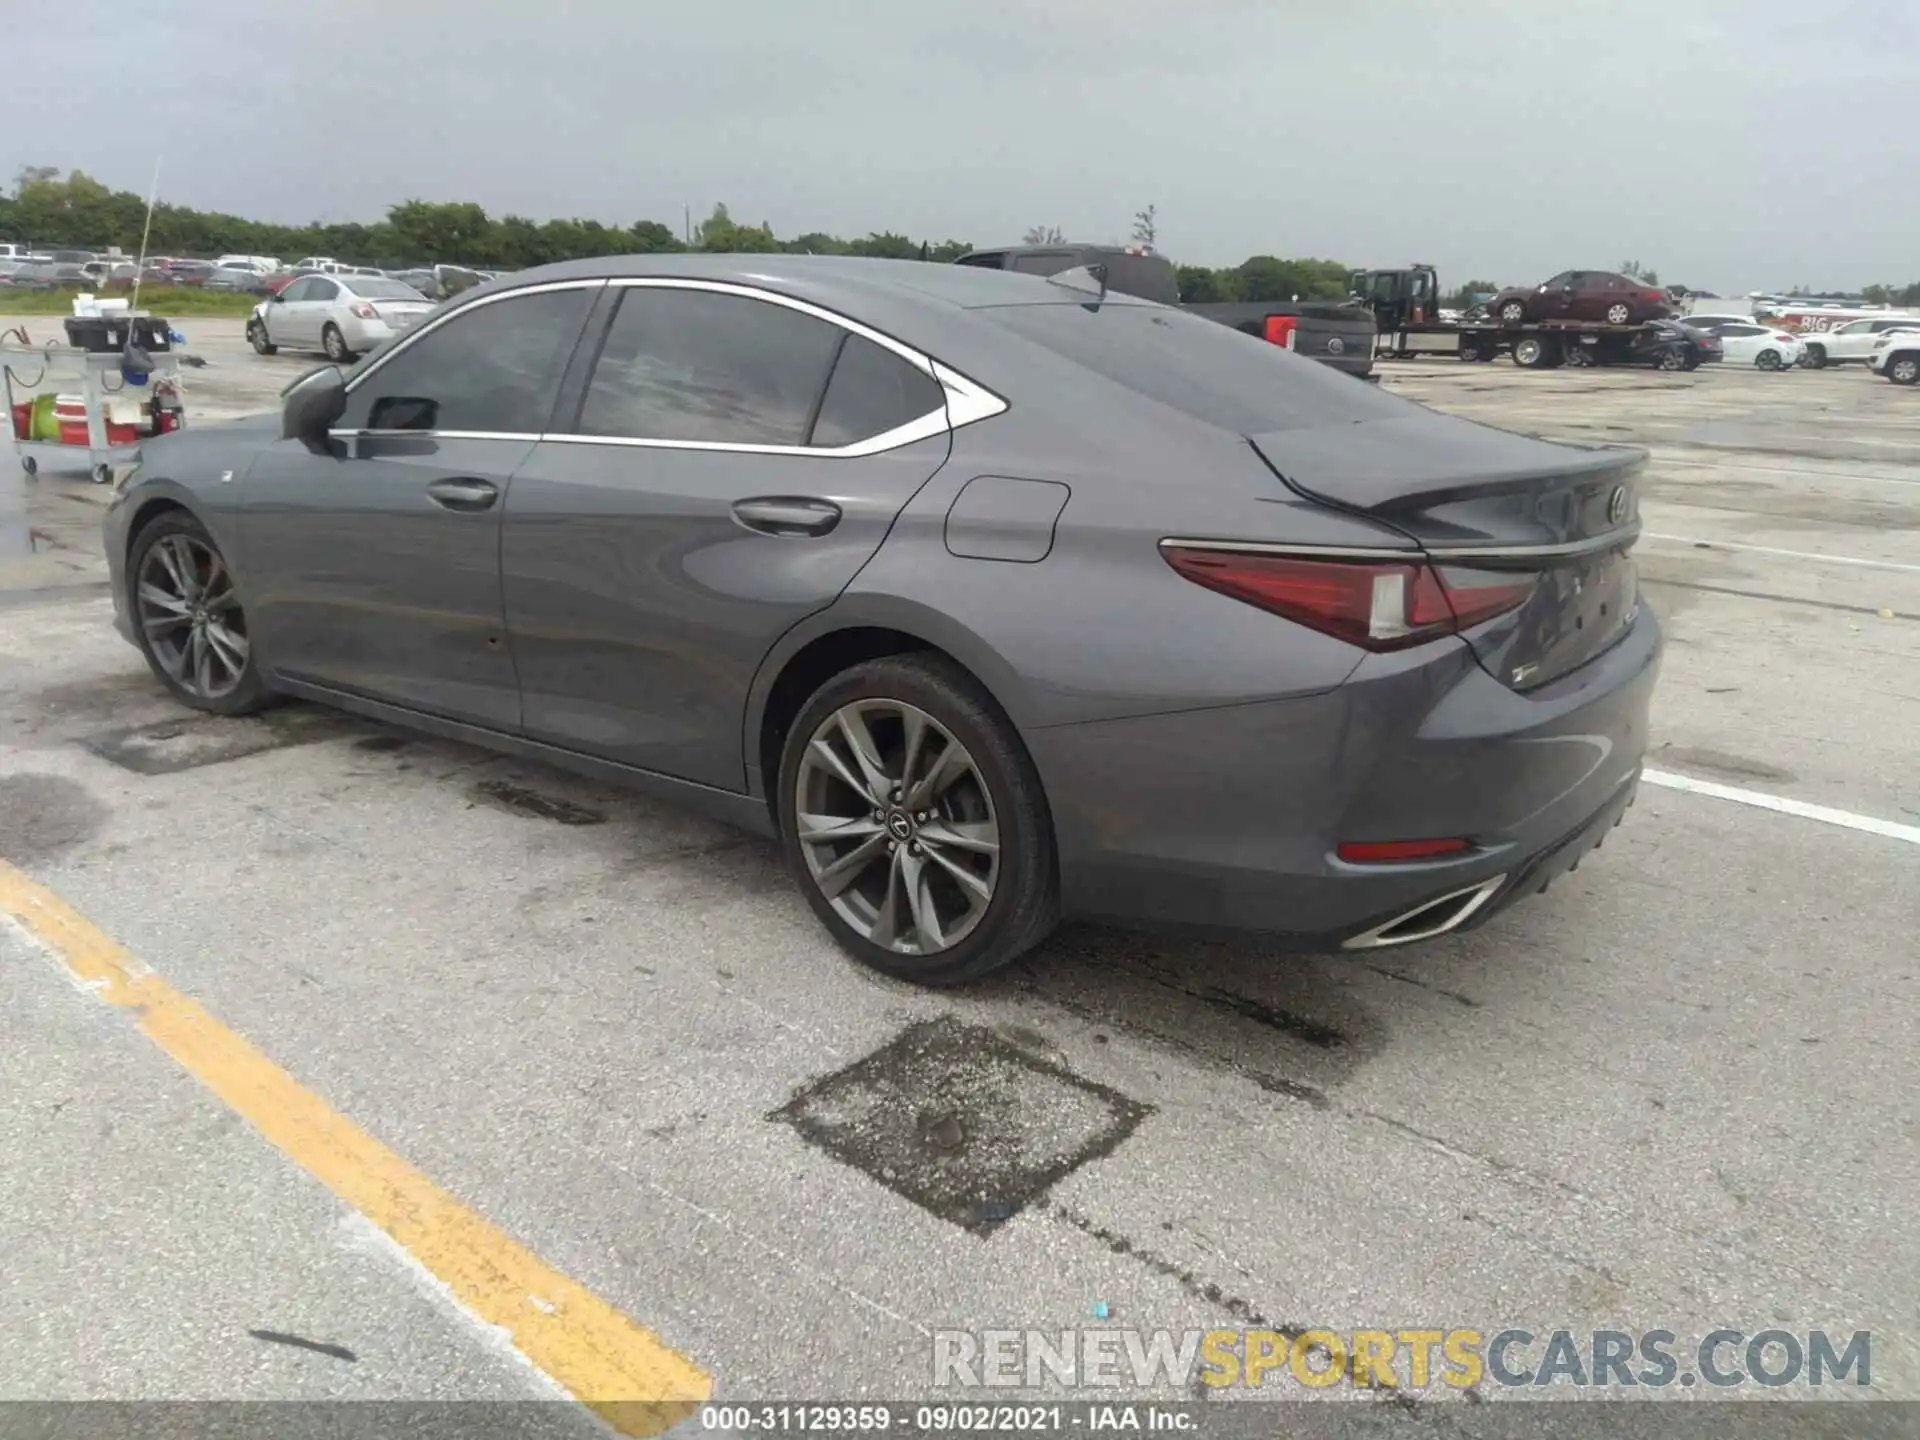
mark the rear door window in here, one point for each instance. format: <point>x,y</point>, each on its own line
<point>703,366</point>
<point>1045,262</point>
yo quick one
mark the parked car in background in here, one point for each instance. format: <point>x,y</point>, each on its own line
<point>1896,355</point>
<point>1602,295</point>
<point>190,272</point>
<point>1854,342</point>
<point>319,264</point>
<point>73,257</point>
<point>260,264</point>
<point>243,280</point>
<point>1678,345</point>
<point>342,315</point>
<point>9,267</point>
<point>765,557</point>
<point>53,275</point>
<point>1745,341</point>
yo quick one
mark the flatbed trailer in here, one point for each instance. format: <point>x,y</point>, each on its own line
<point>1539,345</point>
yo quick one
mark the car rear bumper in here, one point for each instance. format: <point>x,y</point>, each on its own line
<point>1228,819</point>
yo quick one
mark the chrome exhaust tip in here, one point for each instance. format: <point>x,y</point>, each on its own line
<point>1428,919</point>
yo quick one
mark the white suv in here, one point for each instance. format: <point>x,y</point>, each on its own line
<point>1896,355</point>
<point>1854,342</point>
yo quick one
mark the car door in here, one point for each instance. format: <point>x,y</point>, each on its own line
<point>737,456</point>
<point>1554,299</point>
<point>283,319</point>
<point>374,566</point>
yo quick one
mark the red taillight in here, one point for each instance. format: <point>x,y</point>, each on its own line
<point>1656,296</point>
<point>364,310</point>
<point>1279,330</point>
<point>1374,852</point>
<point>1377,605</point>
<point>1784,339</point>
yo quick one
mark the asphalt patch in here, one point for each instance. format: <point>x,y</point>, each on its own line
<point>194,741</point>
<point>505,795</point>
<point>44,816</point>
<point>962,1123</point>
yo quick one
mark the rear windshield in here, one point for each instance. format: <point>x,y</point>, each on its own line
<point>1203,369</point>
<point>381,288</point>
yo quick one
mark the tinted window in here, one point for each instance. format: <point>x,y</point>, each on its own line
<point>1565,277</point>
<point>385,289</point>
<point>992,260</point>
<point>318,289</point>
<point>1048,262</point>
<point>1726,329</point>
<point>494,368</point>
<point>872,391</point>
<point>698,365</point>
<point>1208,371</point>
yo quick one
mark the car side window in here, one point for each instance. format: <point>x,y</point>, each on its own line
<point>1857,327</point>
<point>296,291</point>
<point>872,391</point>
<point>989,260</point>
<point>318,289</point>
<point>1565,277</point>
<point>1742,330</point>
<point>492,369</point>
<point>700,365</point>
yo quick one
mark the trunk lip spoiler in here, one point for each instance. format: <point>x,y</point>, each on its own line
<point>1619,538</point>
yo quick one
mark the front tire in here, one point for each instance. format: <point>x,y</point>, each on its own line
<point>914,822</point>
<point>1904,369</point>
<point>1513,312</point>
<point>187,615</point>
<point>335,344</point>
<point>257,337</point>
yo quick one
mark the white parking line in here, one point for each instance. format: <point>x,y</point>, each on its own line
<point>1700,544</point>
<point>1892,829</point>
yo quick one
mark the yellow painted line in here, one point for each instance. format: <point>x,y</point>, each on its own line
<point>625,1374</point>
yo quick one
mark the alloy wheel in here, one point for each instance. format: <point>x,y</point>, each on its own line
<point>1768,360</point>
<point>897,826</point>
<point>191,616</point>
<point>1905,370</point>
<point>1618,314</point>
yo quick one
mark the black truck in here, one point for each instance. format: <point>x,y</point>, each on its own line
<point>1338,333</point>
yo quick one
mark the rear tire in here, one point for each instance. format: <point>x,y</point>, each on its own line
<point>1530,352</point>
<point>335,344</point>
<point>1619,314</point>
<point>1767,360</point>
<point>1816,357</point>
<point>1673,360</point>
<point>1904,369</point>
<point>997,793</point>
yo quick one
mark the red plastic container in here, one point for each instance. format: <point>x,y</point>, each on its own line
<point>23,420</point>
<point>71,417</point>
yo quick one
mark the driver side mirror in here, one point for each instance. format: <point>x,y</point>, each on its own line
<point>313,403</point>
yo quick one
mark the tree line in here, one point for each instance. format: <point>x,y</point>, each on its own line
<point>51,212</point>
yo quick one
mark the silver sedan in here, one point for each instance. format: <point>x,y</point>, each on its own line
<point>342,315</point>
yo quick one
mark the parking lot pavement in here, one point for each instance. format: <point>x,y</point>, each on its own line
<point>1674,1092</point>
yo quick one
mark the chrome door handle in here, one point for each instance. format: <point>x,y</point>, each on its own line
<point>787,515</point>
<point>466,495</point>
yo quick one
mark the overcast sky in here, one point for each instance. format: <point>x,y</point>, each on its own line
<point>1732,144</point>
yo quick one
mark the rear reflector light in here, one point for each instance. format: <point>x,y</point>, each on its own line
<point>1377,605</point>
<point>1279,329</point>
<point>1374,852</point>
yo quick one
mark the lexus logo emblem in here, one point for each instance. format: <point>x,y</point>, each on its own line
<point>1617,505</point>
<point>1336,346</point>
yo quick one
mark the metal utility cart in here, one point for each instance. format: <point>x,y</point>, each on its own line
<point>25,370</point>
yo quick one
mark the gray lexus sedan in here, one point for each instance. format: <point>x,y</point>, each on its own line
<point>997,599</point>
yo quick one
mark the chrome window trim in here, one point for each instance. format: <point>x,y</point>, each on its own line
<point>967,401</point>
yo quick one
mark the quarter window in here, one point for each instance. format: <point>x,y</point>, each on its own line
<point>872,391</point>
<point>491,369</point>
<point>699,365</point>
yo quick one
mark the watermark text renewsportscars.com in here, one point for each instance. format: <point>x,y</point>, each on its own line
<point>1407,1359</point>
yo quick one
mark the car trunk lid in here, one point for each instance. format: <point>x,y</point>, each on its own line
<point>1488,507</point>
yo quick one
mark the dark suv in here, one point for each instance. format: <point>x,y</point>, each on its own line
<point>1582,295</point>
